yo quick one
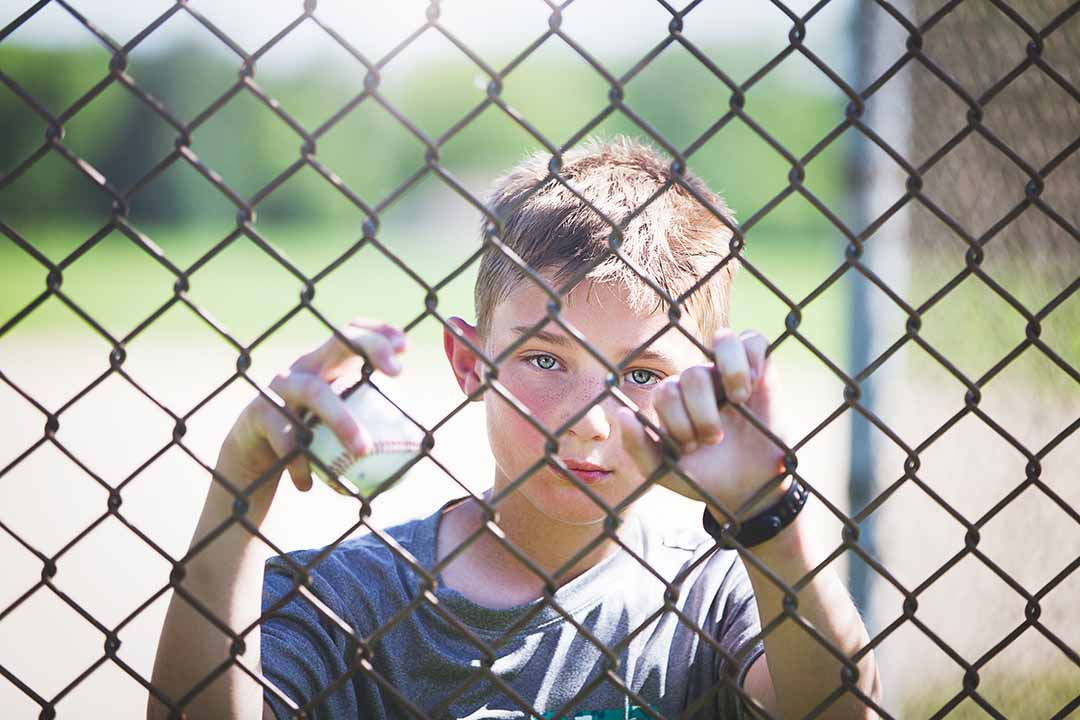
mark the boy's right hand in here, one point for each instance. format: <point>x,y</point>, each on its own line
<point>263,433</point>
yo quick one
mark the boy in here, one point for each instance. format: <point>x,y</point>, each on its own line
<point>635,623</point>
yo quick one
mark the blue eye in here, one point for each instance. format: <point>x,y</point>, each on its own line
<point>648,373</point>
<point>541,357</point>
<point>640,375</point>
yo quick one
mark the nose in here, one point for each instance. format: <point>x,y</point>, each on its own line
<point>594,425</point>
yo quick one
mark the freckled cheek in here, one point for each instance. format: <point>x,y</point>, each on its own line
<point>542,405</point>
<point>545,396</point>
<point>550,403</point>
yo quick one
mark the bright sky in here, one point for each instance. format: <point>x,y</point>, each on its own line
<point>496,29</point>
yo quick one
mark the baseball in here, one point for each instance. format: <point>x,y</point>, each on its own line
<point>397,442</point>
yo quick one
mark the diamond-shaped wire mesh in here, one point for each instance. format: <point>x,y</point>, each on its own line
<point>985,175</point>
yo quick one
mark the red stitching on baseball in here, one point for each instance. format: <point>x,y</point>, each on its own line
<point>345,460</point>
<point>395,445</point>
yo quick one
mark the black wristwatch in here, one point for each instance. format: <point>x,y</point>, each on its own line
<point>766,524</point>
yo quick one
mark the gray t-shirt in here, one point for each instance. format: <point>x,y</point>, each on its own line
<point>423,662</point>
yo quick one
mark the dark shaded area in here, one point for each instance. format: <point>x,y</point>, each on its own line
<point>1027,125</point>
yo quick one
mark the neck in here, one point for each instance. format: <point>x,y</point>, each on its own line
<point>547,543</point>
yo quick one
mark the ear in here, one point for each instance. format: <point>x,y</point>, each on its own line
<point>466,366</point>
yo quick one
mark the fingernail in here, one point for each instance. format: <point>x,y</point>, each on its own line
<point>357,445</point>
<point>713,439</point>
<point>690,447</point>
<point>394,364</point>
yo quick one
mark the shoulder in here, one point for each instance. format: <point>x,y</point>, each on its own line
<point>363,558</point>
<point>712,580</point>
<point>688,551</point>
<point>691,538</point>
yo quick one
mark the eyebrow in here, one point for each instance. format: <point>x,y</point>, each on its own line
<point>567,341</point>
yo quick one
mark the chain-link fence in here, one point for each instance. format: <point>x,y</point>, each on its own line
<point>990,161</point>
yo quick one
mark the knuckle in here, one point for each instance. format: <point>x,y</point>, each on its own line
<point>267,415</point>
<point>751,335</point>
<point>736,374</point>
<point>381,348</point>
<point>671,393</point>
<point>353,338</point>
<point>387,330</point>
<point>697,376</point>
<point>339,412</point>
<point>258,407</point>
<point>756,343</point>
<point>309,359</point>
<point>328,400</point>
<point>311,386</point>
<point>710,428</point>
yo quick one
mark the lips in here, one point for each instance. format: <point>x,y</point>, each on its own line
<point>587,472</point>
<point>584,466</point>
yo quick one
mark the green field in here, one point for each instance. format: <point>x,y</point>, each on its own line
<point>1023,694</point>
<point>120,285</point>
<point>246,290</point>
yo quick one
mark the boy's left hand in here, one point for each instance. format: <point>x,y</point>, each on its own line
<point>721,451</point>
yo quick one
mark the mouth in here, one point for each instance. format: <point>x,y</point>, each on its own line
<point>587,472</point>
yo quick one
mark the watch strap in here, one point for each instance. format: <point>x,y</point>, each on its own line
<point>766,524</point>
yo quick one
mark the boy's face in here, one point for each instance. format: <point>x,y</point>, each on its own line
<point>556,378</point>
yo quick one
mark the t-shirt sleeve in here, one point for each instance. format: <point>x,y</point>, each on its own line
<point>303,651</point>
<point>735,634</point>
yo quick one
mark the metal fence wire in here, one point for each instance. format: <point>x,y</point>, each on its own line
<point>1021,192</point>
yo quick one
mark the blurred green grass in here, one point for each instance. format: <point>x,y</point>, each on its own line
<point>553,89</point>
<point>975,328</point>
<point>243,287</point>
<point>1015,695</point>
<point>246,290</point>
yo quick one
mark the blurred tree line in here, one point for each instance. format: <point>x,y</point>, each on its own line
<point>247,144</point>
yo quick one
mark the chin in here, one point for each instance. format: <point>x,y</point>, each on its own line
<point>559,499</point>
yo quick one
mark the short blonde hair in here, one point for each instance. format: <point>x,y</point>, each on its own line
<point>675,240</point>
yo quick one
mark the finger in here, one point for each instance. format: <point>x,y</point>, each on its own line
<point>699,396</point>
<point>270,424</point>
<point>668,403</point>
<point>378,342</point>
<point>299,389</point>
<point>642,450</point>
<point>756,346</point>
<point>351,366</point>
<point>344,381</point>
<point>732,365</point>
<point>395,335</point>
<point>281,435</point>
<point>300,472</point>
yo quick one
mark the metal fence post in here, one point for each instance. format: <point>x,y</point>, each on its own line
<point>874,182</point>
